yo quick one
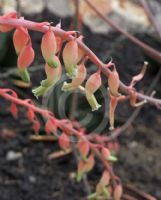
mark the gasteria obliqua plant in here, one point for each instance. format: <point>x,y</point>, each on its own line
<point>55,41</point>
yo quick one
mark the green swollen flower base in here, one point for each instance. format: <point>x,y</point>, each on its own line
<point>24,75</point>
<point>52,64</point>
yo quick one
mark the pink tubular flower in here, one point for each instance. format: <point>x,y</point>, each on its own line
<point>91,86</point>
<point>103,183</point>
<point>14,110</point>
<point>85,166</point>
<point>36,126</point>
<point>25,59</point>
<point>70,56</point>
<point>20,39</point>
<point>113,82</point>
<point>49,48</point>
<point>77,80</point>
<point>50,126</point>
<point>107,155</point>
<point>64,142</point>
<point>84,148</point>
<point>30,115</point>
<point>112,108</point>
<point>53,75</point>
<point>6,28</point>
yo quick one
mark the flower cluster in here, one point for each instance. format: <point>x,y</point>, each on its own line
<point>74,62</point>
<point>74,57</point>
<point>108,184</point>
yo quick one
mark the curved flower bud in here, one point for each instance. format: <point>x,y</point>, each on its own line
<point>105,179</point>
<point>25,59</point>
<point>6,28</point>
<point>64,142</point>
<point>36,126</point>
<point>113,82</point>
<point>84,148</point>
<point>14,110</point>
<point>50,126</point>
<point>91,86</point>
<point>49,48</point>
<point>76,81</point>
<point>103,183</point>
<point>20,39</point>
<point>30,115</point>
<point>70,56</point>
<point>107,155</point>
<point>85,166</point>
<point>53,75</point>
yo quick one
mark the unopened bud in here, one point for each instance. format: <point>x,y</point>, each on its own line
<point>70,56</point>
<point>14,110</point>
<point>49,48</point>
<point>25,59</point>
<point>50,126</point>
<point>20,39</point>
<point>64,142</point>
<point>30,115</point>
<point>83,147</point>
<point>113,82</point>
<point>85,166</point>
<point>105,153</point>
<point>36,126</point>
<point>105,179</point>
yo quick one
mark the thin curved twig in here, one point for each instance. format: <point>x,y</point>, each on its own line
<point>148,10</point>
<point>153,53</point>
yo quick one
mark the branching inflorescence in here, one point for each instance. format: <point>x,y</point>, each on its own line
<point>74,54</point>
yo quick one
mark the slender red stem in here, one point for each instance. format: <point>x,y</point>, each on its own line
<point>42,27</point>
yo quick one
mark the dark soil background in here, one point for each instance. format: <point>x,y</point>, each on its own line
<point>32,176</point>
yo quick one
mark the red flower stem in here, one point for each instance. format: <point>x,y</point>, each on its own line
<point>24,103</point>
<point>45,113</point>
<point>43,27</point>
<point>106,165</point>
